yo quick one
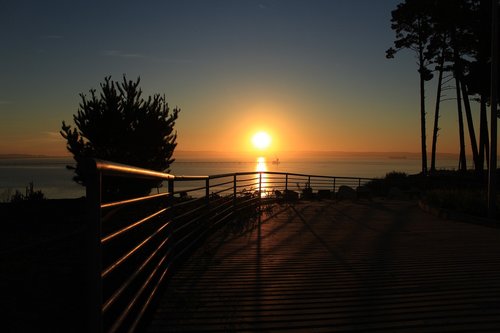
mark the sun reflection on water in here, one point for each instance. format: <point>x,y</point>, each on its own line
<point>262,167</point>
<point>261,164</point>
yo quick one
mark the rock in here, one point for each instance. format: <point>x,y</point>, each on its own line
<point>364,193</point>
<point>291,195</point>
<point>324,194</point>
<point>346,193</point>
<point>395,193</point>
<point>307,193</point>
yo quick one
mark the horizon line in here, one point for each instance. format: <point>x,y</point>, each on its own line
<point>355,152</point>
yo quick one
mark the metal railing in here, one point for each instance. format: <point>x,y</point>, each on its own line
<point>134,244</point>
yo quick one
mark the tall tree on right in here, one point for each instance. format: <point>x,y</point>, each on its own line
<point>469,27</point>
<point>478,79</point>
<point>411,21</point>
<point>439,54</point>
<point>463,43</point>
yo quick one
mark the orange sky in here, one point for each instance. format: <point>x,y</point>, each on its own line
<point>233,67</point>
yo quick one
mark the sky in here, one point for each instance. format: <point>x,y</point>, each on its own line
<point>311,73</point>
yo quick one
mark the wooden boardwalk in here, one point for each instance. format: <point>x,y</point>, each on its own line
<point>323,266</point>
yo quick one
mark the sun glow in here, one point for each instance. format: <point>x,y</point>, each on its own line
<point>261,140</point>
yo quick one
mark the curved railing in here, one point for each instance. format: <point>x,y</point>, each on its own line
<point>135,243</point>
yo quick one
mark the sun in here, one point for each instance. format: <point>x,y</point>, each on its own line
<point>261,140</point>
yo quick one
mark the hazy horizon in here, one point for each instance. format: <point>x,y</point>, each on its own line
<point>201,154</point>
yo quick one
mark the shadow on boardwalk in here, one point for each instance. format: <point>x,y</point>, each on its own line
<point>326,266</point>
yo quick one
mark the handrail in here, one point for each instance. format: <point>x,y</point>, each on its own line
<point>122,169</point>
<point>134,200</point>
<point>145,238</point>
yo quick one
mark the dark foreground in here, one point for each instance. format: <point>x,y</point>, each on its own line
<point>317,266</point>
<point>325,266</point>
<point>42,266</point>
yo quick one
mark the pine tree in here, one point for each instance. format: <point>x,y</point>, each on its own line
<point>411,22</point>
<point>118,125</point>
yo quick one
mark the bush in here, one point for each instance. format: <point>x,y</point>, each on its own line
<point>473,202</point>
<point>31,195</point>
<point>394,179</point>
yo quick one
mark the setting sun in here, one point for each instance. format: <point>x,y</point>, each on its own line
<point>261,140</point>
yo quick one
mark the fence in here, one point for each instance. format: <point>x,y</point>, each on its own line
<point>135,243</point>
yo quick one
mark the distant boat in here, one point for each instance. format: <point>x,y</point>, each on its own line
<point>276,161</point>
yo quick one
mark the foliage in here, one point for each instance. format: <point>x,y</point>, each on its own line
<point>118,125</point>
<point>394,179</point>
<point>396,176</point>
<point>468,201</point>
<point>451,190</point>
<point>31,194</point>
<point>412,25</point>
<point>6,195</point>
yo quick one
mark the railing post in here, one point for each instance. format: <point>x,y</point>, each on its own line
<point>286,182</point>
<point>260,189</point>
<point>234,191</point>
<point>207,192</point>
<point>94,253</point>
<point>359,182</point>
<point>334,187</point>
<point>170,197</point>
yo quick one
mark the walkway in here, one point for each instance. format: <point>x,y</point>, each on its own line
<point>341,267</point>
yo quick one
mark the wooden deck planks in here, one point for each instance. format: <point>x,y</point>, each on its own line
<point>340,267</point>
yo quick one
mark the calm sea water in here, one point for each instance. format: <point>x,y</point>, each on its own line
<point>51,176</point>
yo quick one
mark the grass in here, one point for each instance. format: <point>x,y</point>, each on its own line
<point>462,192</point>
<point>467,201</point>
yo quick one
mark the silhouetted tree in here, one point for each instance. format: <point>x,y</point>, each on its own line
<point>463,45</point>
<point>118,125</point>
<point>440,69</point>
<point>412,23</point>
<point>451,48</point>
<point>470,27</point>
<point>455,36</point>
<point>439,54</point>
<point>478,78</point>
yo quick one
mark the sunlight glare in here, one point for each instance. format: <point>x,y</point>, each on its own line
<point>261,140</point>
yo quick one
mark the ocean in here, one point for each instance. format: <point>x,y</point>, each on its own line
<point>51,176</point>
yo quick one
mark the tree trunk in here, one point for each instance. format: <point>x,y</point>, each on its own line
<point>462,163</point>
<point>484,141</point>
<point>422,110</point>
<point>436,113</point>
<point>470,124</point>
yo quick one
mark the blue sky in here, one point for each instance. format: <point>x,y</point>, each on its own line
<point>311,73</point>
